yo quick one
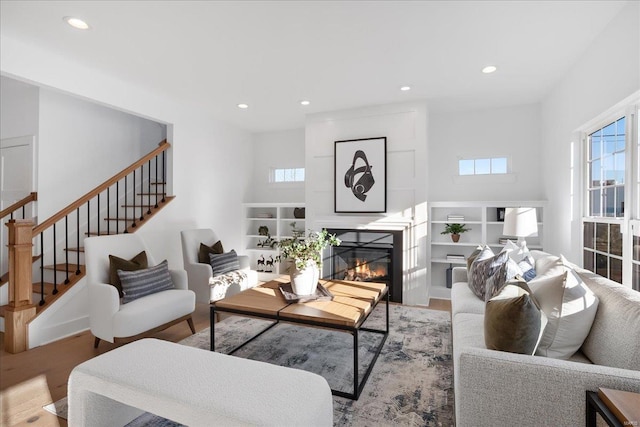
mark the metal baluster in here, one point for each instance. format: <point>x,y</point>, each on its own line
<point>156,206</point>
<point>133,211</point>
<point>117,204</point>
<point>41,268</point>
<point>142,190</point>
<point>98,216</point>
<point>88,218</point>
<point>78,240</point>
<point>149,187</point>
<point>66,248</point>
<point>164,176</point>
<point>55,265</point>
<point>108,211</point>
<point>23,211</point>
<point>125,202</point>
<point>11,215</point>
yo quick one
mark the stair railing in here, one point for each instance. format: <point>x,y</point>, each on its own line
<point>18,210</point>
<point>73,222</point>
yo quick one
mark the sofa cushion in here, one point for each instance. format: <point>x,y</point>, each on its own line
<point>139,283</point>
<point>513,320</point>
<point>614,339</point>
<point>570,307</point>
<point>138,262</point>
<point>224,263</point>
<point>485,266</point>
<point>204,251</point>
<point>522,257</point>
<point>473,256</point>
<point>463,300</point>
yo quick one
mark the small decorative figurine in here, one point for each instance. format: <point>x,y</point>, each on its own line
<point>269,263</point>
<point>260,263</point>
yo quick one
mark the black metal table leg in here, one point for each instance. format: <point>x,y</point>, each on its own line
<point>212,318</point>
<point>355,364</point>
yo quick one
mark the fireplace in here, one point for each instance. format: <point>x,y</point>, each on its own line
<point>368,256</point>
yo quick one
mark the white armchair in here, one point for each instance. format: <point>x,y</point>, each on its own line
<point>200,275</point>
<point>114,322</point>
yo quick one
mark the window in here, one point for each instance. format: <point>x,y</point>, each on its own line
<point>485,166</point>
<point>609,178</point>
<point>281,175</point>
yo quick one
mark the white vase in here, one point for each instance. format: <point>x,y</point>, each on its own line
<point>305,281</point>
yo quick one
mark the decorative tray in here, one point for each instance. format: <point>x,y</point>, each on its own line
<point>322,294</point>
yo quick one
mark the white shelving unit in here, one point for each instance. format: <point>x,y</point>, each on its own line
<point>277,217</point>
<point>485,229</point>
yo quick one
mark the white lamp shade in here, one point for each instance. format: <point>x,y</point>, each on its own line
<point>520,222</point>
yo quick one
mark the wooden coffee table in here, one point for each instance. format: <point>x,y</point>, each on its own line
<point>352,304</point>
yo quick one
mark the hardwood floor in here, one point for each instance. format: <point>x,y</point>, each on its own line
<point>37,377</point>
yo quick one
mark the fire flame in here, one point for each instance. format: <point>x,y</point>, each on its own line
<point>365,271</point>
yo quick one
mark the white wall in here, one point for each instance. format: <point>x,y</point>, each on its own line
<point>18,108</point>
<point>211,171</point>
<point>405,126</point>
<point>283,149</point>
<point>512,132</point>
<point>82,144</point>
<point>607,72</point>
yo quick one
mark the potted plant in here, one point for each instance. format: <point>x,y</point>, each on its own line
<point>306,257</point>
<point>455,230</point>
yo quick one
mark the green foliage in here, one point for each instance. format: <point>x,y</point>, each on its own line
<point>301,250</point>
<point>455,229</point>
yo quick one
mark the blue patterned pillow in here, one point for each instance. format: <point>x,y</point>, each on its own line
<point>139,283</point>
<point>224,263</point>
<point>527,265</point>
<point>482,270</point>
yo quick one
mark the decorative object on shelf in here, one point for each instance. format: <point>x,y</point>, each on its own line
<point>360,181</point>
<point>521,223</point>
<point>306,255</point>
<point>267,243</point>
<point>500,214</point>
<point>299,213</point>
<point>269,265</point>
<point>263,230</point>
<point>260,267</point>
<point>455,230</point>
<point>264,215</point>
<point>296,232</point>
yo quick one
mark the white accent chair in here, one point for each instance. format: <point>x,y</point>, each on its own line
<point>115,322</point>
<point>200,275</point>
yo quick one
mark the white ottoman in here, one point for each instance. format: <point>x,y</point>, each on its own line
<point>194,387</point>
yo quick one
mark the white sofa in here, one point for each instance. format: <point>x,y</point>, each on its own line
<point>494,388</point>
<point>112,321</point>
<point>201,279</point>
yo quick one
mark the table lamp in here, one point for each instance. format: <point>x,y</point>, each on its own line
<point>520,222</point>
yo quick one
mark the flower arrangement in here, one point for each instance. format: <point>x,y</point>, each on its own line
<point>303,250</point>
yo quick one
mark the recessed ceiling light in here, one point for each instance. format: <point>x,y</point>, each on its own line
<point>243,106</point>
<point>489,69</point>
<point>76,23</point>
<point>305,102</point>
<point>405,88</point>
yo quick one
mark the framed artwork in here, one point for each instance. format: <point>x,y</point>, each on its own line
<point>360,175</point>
<point>500,214</point>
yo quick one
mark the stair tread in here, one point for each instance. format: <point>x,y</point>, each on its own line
<point>102,233</point>
<point>80,249</point>
<point>123,219</point>
<point>150,194</point>
<point>158,183</point>
<point>138,206</point>
<point>72,267</point>
<point>48,288</point>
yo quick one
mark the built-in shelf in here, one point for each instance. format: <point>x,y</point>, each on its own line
<point>277,217</point>
<point>485,229</point>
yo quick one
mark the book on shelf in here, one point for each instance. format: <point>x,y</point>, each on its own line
<point>455,257</point>
<point>454,217</point>
<point>503,240</point>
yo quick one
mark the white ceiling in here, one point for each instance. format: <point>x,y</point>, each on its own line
<point>338,55</point>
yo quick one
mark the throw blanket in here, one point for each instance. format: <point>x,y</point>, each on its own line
<point>220,284</point>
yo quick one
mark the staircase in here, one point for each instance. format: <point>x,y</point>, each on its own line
<point>122,204</point>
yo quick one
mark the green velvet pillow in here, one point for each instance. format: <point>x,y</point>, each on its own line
<point>138,262</point>
<point>204,251</point>
<point>513,320</point>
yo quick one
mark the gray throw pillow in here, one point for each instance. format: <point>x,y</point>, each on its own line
<point>140,283</point>
<point>503,274</point>
<point>138,262</point>
<point>482,269</point>
<point>224,263</point>
<point>513,320</point>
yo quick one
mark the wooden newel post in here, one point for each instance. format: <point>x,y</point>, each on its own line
<point>20,310</point>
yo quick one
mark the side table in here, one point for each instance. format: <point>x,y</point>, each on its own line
<point>618,408</point>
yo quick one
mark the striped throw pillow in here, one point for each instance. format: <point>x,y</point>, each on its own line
<point>224,263</point>
<point>140,283</point>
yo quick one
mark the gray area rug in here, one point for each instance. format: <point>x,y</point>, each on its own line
<point>411,383</point>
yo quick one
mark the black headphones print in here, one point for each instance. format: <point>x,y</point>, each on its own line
<point>364,183</point>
